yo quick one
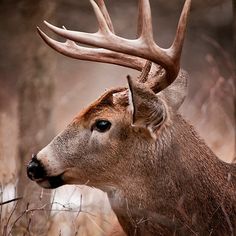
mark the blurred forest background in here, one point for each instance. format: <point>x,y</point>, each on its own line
<point>41,91</point>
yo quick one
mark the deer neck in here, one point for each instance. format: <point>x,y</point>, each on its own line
<point>176,179</point>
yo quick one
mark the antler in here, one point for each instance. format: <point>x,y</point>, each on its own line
<point>116,50</point>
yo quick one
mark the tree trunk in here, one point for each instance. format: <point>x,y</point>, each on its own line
<point>234,58</point>
<point>234,27</point>
<point>35,92</point>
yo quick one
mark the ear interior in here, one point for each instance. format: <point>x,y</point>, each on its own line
<point>147,110</point>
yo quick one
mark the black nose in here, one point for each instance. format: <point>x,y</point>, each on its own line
<point>35,169</point>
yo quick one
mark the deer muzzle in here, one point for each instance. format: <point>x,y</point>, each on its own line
<point>36,172</point>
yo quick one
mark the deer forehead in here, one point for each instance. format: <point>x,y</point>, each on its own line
<point>111,105</point>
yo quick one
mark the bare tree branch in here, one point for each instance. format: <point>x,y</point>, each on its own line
<point>9,201</point>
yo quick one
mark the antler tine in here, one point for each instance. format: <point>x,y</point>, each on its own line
<point>71,49</point>
<point>177,45</point>
<point>144,74</point>
<point>104,11</point>
<point>143,47</point>
<point>115,43</point>
<point>174,51</point>
<point>145,31</point>
<point>103,26</point>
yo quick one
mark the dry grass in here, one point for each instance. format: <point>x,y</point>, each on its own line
<point>68,214</point>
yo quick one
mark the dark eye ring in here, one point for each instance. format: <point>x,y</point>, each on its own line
<point>102,125</point>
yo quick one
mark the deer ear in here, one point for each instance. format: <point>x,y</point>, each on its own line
<point>175,93</point>
<point>147,110</point>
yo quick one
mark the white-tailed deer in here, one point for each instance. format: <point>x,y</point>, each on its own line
<point>160,177</point>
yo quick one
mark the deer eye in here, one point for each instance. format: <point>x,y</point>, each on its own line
<point>102,125</point>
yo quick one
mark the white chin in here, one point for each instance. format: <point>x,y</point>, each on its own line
<point>51,181</point>
<point>44,183</point>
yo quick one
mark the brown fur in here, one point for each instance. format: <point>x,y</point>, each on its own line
<point>173,184</point>
<point>187,188</point>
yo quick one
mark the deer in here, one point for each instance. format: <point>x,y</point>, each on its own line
<point>133,143</point>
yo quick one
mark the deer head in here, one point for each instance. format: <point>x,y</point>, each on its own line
<point>99,143</point>
<point>116,141</point>
<point>133,144</point>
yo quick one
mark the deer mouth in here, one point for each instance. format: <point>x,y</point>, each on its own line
<point>37,172</point>
<point>51,182</point>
